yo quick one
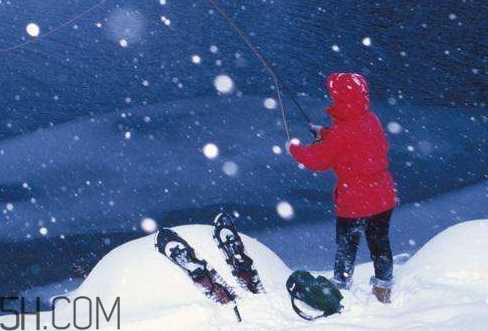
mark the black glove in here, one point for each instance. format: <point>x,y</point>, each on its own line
<point>315,129</point>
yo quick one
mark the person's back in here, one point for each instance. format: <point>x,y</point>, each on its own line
<point>365,186</point>
<point>364,148</point>
<point>355,147</point>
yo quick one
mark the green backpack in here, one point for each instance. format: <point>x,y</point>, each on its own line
<point>316,292</point>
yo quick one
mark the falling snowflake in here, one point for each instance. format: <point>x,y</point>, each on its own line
<point>149,225</point>
<point>211,151</point>
<point>230,168</point>
<point>336,48</point>
<point>367,41</point>
<point>394,128</point>
<point>224,84</point>
<point>33,29</point>
<point>285,210</point>
<point>277,150</point>
<point>165,20</point>
<point>196,59</point>
<point>123,43</point>
<point>43,231</point>
<point>270,103</point>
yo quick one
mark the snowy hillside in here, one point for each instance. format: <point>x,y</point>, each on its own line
<point>443,287</point>
<point>106,173</point>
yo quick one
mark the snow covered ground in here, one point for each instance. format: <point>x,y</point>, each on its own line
<point>443,287</point>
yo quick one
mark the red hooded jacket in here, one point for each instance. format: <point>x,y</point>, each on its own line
<point>355,148</point>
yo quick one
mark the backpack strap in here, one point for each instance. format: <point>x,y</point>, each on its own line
<point>302,314</point>
<point>290,286</point>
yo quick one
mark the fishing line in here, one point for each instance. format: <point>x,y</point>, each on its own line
<point>267,65</point>
<point>277,81</point>
<point>50,32</point>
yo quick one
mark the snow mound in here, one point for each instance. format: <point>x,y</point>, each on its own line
<point>455,256</point>
<point>145,280</point>
<point>442,288</point>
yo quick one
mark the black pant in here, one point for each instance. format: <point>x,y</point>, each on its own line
<point>348,234</point>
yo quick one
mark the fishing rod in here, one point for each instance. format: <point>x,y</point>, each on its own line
<point>269,68</point>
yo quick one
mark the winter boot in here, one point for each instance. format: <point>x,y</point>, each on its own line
<point>381,289</point>
<point>382,294</point>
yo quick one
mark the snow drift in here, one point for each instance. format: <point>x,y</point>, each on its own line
<point>137,268</point>
<point>443,287</point>
<point>461,245</point>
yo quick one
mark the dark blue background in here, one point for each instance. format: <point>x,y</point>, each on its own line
<point>91,73</point>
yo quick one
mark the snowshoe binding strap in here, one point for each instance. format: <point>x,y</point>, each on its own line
<point>230,243</point>
<point>164,237</point>
<point>177,250</point>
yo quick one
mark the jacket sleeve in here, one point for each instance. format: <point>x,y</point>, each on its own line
<point>319,156</point>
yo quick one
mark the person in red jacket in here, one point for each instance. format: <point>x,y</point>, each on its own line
<point>356,149</point>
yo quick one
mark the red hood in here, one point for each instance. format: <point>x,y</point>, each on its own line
<point>350,96</point>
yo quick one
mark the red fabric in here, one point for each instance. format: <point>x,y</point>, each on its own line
<point>355,148</point>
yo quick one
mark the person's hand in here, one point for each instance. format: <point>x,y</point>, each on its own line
<point>287,146</point>
<point>293,141</point>
<point>315,129</point>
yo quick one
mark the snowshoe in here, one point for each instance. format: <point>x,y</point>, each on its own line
<point>230,243</point>
<point>175,248</point>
